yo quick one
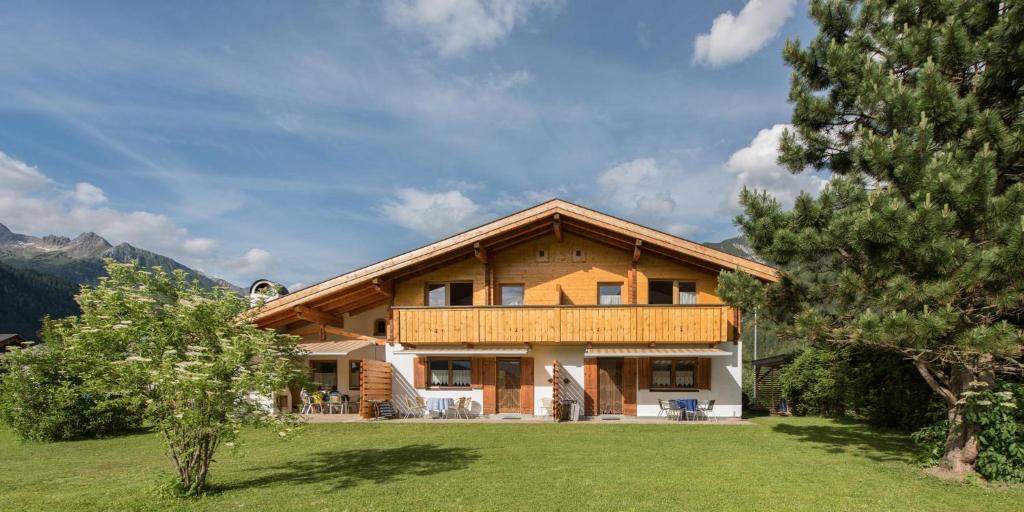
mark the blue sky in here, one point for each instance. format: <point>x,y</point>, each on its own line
<point>298,140</point>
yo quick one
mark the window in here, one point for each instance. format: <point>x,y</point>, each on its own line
<point>659,292</point>
<point>380,327</point>
<point>542,254</point>
<point>609,293</point>
<point>678,373</point>
<point>353,374</point>
<point>450,373</point>
<point>450,294</point>
<point>512,294</point>
<point>671,292</point>
<point>325,374</point>
<point>437,295</point>
<point>578,255</point>
<point>687,292</point>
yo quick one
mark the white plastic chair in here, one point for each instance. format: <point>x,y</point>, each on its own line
<point>545,406</point>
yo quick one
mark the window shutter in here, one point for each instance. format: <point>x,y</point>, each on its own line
<point>489,371</point>
<point>644,373</point>
<point>704,373</point>
<point>476,366</point>
<point>526,386</point>
<point>629,386</point>
<point>419,372</point>
<point>589,386</point>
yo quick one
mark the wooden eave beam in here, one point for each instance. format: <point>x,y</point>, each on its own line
<point>315,315</point>
<point>409,273</point>
<point>340,300</point>
<point>367,305</point>
<point>480,252</point>
<point>381,287</point>
<point>636,250</point>
<point>557,224</point>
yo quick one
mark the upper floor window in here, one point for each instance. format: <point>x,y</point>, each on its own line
<point>671,292</point>
<point>450,294</point>
<point>450,373</point>
<point>512,294</point>
<point>380,327</point>
<point>609,293</point>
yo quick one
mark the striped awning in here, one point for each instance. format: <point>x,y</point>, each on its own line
<point>465,351</point>
<point>333,348</point>
<point>666,351</point>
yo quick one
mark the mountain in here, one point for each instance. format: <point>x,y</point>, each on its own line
<point>44,273</point>
<point>737,246</point>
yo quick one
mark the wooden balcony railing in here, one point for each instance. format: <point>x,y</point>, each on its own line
<point>567,324</point>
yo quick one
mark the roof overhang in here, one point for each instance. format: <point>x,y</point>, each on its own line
<point>465,351</point>
<point>655,352</point>
<point>333,348</point>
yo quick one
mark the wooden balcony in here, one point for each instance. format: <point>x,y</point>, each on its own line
<point>641,324</point>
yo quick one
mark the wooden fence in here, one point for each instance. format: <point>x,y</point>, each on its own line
<point>374,384</point>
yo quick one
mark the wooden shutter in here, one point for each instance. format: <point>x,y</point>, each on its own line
<point>589,386</point>
<point>489,374</point>
<point>629,386</point>
<point>526,386</point>
<point>704,373</point>
<point>643,373</point>
<point>476,380</point>
<point>419,372</point>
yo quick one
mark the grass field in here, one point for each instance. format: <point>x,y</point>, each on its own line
<point>782,464</point>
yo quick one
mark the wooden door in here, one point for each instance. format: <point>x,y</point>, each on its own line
<point>509,379</point>
<point>609,384</point>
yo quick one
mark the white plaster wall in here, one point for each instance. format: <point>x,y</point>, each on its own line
<point>726,387</point>
<point>402,383</point>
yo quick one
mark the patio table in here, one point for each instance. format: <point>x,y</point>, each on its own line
<point>687,404</point>
<point>439,405</point>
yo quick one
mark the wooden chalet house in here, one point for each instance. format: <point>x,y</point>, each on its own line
<point>556,301</point>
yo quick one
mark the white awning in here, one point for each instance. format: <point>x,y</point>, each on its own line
<point>666,351</point>
<point>465,351</point>
<point>333,348</point>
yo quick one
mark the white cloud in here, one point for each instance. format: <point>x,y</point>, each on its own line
<point>755,166</point>
<point>32,203</point>
<point>432,213</point>
<point>456,26</point>
<point>87,193</point>
<point>638,187</point>
<point>735,37</point>
<point>254,261</point>
<point>16,175</point>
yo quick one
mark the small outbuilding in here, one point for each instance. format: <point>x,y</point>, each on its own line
<point>767,388</point>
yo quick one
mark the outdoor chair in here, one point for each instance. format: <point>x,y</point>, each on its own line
<point>545,407</point>
<point>678,412</point>
<point>707,409</point>
<point>334,403</point>
<point>318,403</point>
<point>421,405</point>
<point>308,403</point>
<point>413,408</point>
<point>456,407</point>
<point>466,409</point>
<point>664,409</point>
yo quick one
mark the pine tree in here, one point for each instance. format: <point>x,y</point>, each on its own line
<point>916,244</point>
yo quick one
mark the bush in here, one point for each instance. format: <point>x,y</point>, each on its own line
<point>43,399</point>
<point>997,415</point>
<point>863,383</point>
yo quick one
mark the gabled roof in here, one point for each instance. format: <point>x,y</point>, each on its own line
<point>505,232</point>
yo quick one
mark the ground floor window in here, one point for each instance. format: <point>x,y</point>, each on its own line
<point>450,373</point>
<point>674,373</point>
<point>353,374</point>
<point>325,374</point>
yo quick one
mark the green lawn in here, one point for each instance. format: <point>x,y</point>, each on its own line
<point>784,464</point>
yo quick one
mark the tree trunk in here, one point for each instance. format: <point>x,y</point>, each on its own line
<point>961,450</point>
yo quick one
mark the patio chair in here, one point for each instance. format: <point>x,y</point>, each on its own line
<point>466,409</point>
<point>334,403</point>
<point>318,403</point>
<point>675,412</point>
<point>545,407</point>
<point>455,407</point>
<point>707,410</point>
<point>664,409</point>
<point>413,408</point>
<point>421,405</point>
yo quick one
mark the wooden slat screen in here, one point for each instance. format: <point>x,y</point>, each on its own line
<point>556,390</point>
<point>374,384</point>
<point>526,386</point>
<point>589,386</point>
<point>629,386</point>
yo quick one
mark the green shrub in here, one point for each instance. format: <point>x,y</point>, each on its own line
<point>997,415</point>
<point>42,398</point>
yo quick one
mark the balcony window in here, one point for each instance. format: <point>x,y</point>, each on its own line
<point>449,294</point>
<point>687,292</point>
<point>512,294</point>
<point>659,292</point>
<point>609,293</point>
<point>450,373</point>
<point>676,373</point>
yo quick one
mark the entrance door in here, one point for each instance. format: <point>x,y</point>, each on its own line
<point>509,377</point>
<point>609,386</point>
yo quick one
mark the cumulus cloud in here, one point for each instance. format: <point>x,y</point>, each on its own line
<point>735,37</point>
<point>31,202</point>
<point>643,190</point>
<point>87,193</point>
<point>432,213</point>
<point>455,26</point>
<point>755,166</point>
